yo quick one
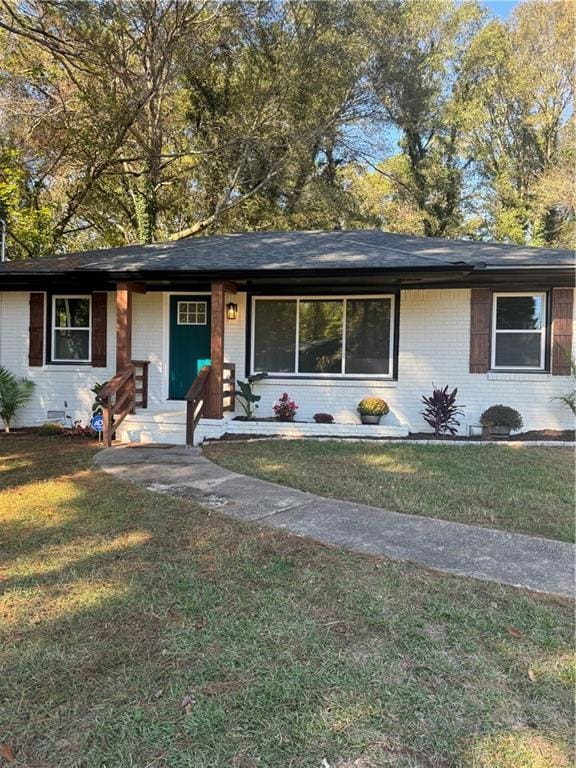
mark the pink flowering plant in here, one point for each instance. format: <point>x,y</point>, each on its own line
<point>284,408</point>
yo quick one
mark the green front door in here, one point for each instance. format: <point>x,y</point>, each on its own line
<point>189,341</point>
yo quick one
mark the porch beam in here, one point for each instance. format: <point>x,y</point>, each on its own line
<point>124,292</point>
<point>230,287</point>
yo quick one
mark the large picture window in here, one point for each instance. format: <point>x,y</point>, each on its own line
<point>519,331</point>
<point>71,329</point>
<point>323,336</point>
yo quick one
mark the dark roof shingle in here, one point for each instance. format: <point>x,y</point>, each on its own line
<point>296,251</point>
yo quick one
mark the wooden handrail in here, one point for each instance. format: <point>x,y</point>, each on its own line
<point>229,387</point>
<point>195,401</point>
<point>112,386</point>
<point>120,396</point>
<point>196,397</point>
<point>141,382</point>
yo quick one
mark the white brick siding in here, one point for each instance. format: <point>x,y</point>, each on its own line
<point>149,318</point>
<point>433,348</point>
<point>58,387</point>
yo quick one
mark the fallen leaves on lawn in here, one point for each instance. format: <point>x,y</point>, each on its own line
<point>225,686</point>
<point>187,703</point>
<point>242,760</point>
<point>213,689</point>
<point>514,632</point>
<point>531,675</point>
<point>7,752</point>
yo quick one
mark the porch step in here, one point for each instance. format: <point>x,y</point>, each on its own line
<point>150,426</point>
<point>149,416</point>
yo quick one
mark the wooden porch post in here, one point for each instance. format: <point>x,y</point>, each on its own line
<point>123,325</point>
<point>124,291</point>
<point>214,404</point>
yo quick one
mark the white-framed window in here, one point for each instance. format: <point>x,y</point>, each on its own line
<point>192,313</point>
<point>71,329</point>
<point>519,331</point>
<point>323,335</point>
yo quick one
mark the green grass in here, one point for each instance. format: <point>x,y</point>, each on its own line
<point>526,490</point>
<point>139,630</point>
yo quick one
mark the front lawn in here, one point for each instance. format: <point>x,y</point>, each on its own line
<point>139,630</point>
<point>523,489</point>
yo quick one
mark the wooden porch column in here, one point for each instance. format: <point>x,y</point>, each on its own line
<point>124,291</point>
<point>123,325</point>
<point>214,405</point>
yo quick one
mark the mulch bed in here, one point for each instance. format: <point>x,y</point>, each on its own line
<point>19,432</point>
<point>559,435</point>
<point>552,435</point>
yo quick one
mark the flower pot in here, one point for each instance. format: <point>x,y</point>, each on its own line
<point>369,419</point>
<point>499,432</point>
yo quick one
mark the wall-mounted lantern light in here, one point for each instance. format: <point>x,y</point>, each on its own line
<point>231,311</point>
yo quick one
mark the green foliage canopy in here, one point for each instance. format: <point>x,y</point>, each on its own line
<point>139,121</point>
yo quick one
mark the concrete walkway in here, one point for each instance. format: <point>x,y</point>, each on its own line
<point>537,564</point>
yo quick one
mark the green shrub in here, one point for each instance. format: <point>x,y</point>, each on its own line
<point>373,406</point>
<point>323,418</point>
<point>14,393</point>
<point>51,428</point>
<point>246,397</point>
<point>568,399</point>
<point>501,416</point>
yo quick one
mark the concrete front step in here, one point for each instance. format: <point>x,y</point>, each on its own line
<point>162,427</point>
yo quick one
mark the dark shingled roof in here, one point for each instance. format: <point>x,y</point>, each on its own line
<point>255,252</point>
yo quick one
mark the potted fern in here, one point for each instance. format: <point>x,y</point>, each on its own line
<point>14,393</point>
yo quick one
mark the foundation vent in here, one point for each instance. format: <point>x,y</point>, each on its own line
<point>55,415</point>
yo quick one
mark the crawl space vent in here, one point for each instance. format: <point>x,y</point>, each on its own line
<point>55,415</point>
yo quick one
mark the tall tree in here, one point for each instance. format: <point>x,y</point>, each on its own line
<point>138,120</point>
<point>268,111</point>
<point>521,75</point>
<point>160,119</point>
<point>90,87</point>
<point>416,75</point>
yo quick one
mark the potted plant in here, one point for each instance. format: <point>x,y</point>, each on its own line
<point>245,395</point>
<point>371,410</point>
<point>285,408</point>
<point>500,420</point>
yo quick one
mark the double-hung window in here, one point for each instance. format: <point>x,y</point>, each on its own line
<point>71,329</point>
<point>519,331</point>
<point>324,336</point>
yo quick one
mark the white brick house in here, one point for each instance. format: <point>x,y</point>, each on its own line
<point>331,317</point>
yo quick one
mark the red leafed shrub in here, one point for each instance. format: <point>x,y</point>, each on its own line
<point>323,418</point>
<point>79,430</point>
<point>284,408</point>
<point>441,411</point>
